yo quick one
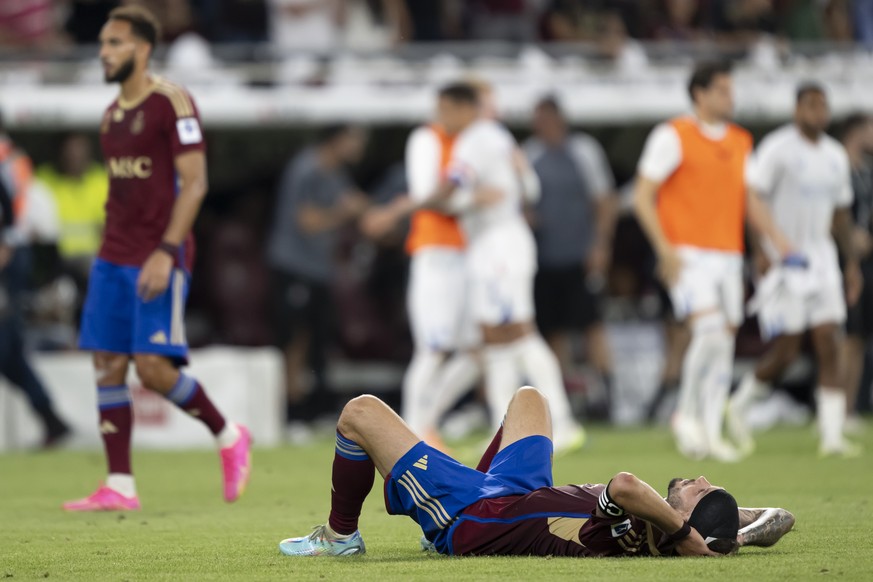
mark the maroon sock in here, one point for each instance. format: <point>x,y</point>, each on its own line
<point>190,396</point>
<point>116,425</point>
<point>353,476</point>
<point>485,461</point>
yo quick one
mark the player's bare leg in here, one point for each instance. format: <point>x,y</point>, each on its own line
<point>160,375</point>
<point>757,384</point>
<point>370,436</point>
<point>831,393</point>
<point>116,426</point>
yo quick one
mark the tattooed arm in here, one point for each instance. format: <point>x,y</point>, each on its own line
<point>764,526</point>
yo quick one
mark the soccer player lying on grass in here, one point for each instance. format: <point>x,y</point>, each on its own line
<point>508,504</point>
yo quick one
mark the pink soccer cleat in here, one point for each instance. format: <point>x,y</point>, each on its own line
<point>104,499</point>
<point>236,462</point>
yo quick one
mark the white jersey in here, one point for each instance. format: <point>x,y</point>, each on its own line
<point>423,154</point>
<point>803,183</point>
<point>483,156</point>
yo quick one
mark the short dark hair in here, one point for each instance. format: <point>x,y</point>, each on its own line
<point>551,103</point>
<point>808,87</point>
<point>460,93</point>
<point>704,73</point>
<point>142,22</point>
<point>331,132</point>
<point>853,122</point>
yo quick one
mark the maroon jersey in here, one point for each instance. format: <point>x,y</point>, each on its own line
<point>553,521</point>
<point>140,142</point>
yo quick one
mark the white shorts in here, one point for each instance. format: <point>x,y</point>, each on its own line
<point>792,300</point>
<point>437,298</point>
<point>709,280</point>
<point>502,265</point>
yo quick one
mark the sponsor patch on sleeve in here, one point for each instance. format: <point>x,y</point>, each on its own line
<point>189,131</point>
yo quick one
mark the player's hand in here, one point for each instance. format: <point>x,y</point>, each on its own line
<point>154,278</point>
<point>761,262</point>
<point>854,282</point>
<point>693,545</point>
<point>353,205</point>
<point>669,267</point>
<point>377,223</point>
<point>862,241</point>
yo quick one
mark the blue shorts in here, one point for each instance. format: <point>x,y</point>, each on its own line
<point>433,488</point>
<point>115,319</point>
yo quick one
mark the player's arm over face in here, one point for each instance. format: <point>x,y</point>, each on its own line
<point>638,498</point>
<point>763,526</point>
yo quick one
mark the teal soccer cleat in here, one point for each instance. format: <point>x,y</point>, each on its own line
<point>322,542</point>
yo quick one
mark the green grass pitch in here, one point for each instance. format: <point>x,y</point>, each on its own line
<point>185,531</point>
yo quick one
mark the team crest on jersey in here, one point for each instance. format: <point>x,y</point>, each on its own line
<point>138,123</point>
<point>620,529</point>
<point>118,115</point>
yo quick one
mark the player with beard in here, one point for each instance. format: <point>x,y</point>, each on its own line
<point>134,310</point>
<point>509,506</point>
<point>806,178</point>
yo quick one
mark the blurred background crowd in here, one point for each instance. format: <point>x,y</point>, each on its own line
<point>325,25</point>
<point>251,243</point>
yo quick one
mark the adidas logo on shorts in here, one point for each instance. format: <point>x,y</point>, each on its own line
<point>421,463</point>
<point>159,338</point>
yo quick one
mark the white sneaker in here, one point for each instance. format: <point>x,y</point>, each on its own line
<point>690,439</point>
<point>846,449</point>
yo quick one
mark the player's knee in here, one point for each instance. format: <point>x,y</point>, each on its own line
<point>148,368</point>
<point>356,413</point>
<point>110,369</point>
<point>530,395</point>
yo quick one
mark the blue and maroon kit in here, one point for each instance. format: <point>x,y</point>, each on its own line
<point>512,509</point>
<point>140,143</point>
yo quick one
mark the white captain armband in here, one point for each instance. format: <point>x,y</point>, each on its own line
<point>607,504</point>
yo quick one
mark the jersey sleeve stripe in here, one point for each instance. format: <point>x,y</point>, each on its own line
<point>178,97</point>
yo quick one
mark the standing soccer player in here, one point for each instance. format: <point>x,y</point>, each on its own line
<point>154,149</point>
<point>691,201</point>
<point>501,259</point>
<point>805,176</point>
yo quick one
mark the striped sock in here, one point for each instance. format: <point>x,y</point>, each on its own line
<point>116,425</point>
<point>188,395</point>
<point>353,476</point>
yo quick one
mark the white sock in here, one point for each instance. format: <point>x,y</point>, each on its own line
<point>831,416</point>
<point>541,369</point>
<point>501,379</point>
<point>453,380</point>
<point>717,385</point>
<point>334,535</point>
<point>228,435</point>
<point>122,483</point>
<point>694,367</point>
<point>418,388</point>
